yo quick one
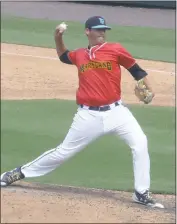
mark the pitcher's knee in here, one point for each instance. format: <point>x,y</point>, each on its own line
<point>143,139</point>
<point>65,151</point>
<point>140,143</point>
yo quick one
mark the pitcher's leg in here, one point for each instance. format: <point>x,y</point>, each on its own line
<point>84,129</point>
<point>131,132</point>
<point>44,164</point>
<point>122,122</point>
<point>141,162</point>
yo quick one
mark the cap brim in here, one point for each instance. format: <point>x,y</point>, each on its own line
<point>101,27</point>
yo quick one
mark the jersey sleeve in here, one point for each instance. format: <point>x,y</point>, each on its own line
<point>72,56</point>
<point>125,59</point>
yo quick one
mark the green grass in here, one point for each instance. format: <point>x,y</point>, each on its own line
<point>142,42</point>
<point>26,132</point>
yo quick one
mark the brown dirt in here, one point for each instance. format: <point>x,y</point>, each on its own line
<point>31,203</point>
<point>43,78</point>
<point>29,77</point>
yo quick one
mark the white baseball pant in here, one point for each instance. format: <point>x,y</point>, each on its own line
<point>87,126</point>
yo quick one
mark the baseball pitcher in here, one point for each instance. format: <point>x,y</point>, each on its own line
<point>100,109</point>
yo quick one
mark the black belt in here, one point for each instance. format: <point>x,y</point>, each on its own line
<point>102,108</point>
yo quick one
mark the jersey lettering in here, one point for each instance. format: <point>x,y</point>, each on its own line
<point>96,65</point>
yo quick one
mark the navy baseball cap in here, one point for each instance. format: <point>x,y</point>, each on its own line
<point>96,22</point>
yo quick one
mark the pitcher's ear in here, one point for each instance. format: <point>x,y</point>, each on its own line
<point>87,31</point>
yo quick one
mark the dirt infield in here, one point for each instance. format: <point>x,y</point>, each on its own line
<point>26,203</point>
<point>36,73</point>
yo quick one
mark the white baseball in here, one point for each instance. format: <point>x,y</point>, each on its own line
<point>62,27</point>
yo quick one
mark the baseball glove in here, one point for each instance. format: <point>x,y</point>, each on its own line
<point>142,92</point>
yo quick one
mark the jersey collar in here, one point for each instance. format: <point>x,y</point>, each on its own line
<point>98,45</point>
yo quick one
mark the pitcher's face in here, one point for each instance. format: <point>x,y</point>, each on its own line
<point>96,36</point>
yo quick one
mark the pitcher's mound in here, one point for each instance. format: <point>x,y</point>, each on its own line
<point>33,203</point>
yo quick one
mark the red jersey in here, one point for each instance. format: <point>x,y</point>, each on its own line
<point>100,73</point>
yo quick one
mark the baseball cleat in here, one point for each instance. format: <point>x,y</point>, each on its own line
<point>146,199</point>
<point>10,177</point>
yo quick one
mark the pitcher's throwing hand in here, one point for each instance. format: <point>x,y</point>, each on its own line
<point>61,27</point>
